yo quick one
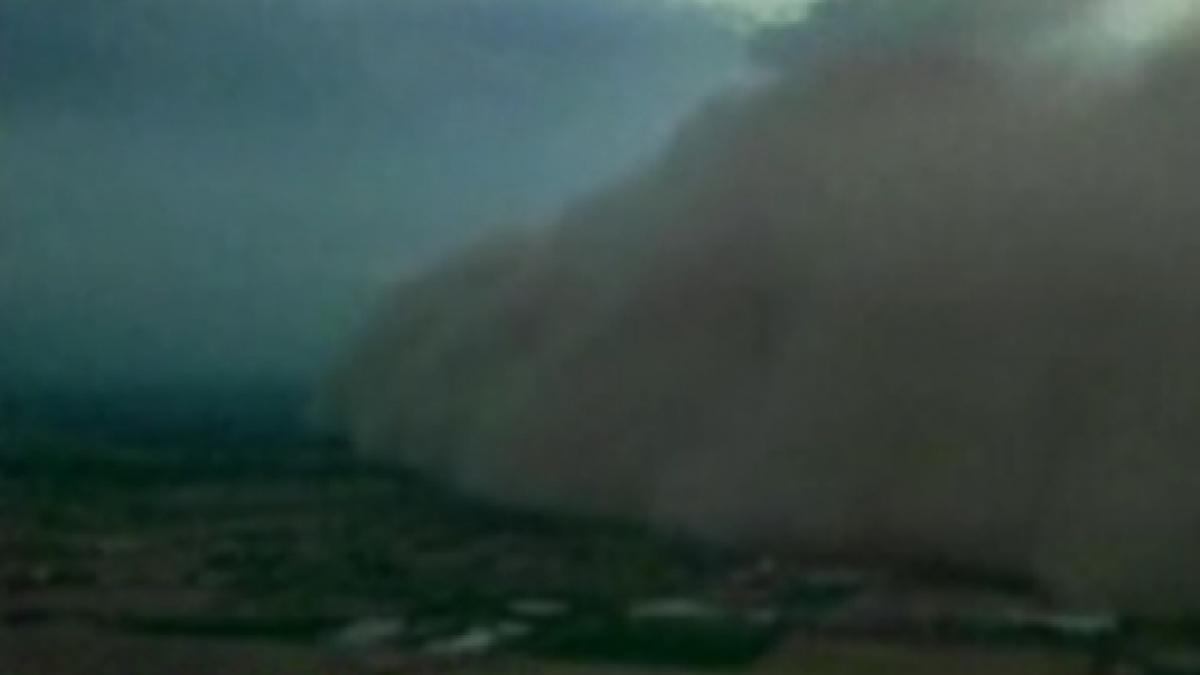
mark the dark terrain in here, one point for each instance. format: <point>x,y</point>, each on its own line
<point>218,539</point>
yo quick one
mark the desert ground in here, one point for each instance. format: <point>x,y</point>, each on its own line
<point>160,563</point>
<point>67,650</point>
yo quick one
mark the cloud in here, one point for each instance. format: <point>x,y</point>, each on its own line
<point>927,294</point>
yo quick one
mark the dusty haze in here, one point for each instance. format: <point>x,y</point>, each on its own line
<point>927,293</point>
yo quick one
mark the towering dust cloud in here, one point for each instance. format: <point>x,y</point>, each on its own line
<point>931,292</point>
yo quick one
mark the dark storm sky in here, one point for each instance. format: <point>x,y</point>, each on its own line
<point>219,188</point>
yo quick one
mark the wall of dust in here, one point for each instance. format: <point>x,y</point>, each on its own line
<point>931,292</point>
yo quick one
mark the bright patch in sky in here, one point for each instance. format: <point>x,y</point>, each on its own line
<point>752,13</point>
<point>1140,23</point>
<point>1116,37</point>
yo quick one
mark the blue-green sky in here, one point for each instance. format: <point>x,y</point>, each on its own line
<point>219,188</point>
